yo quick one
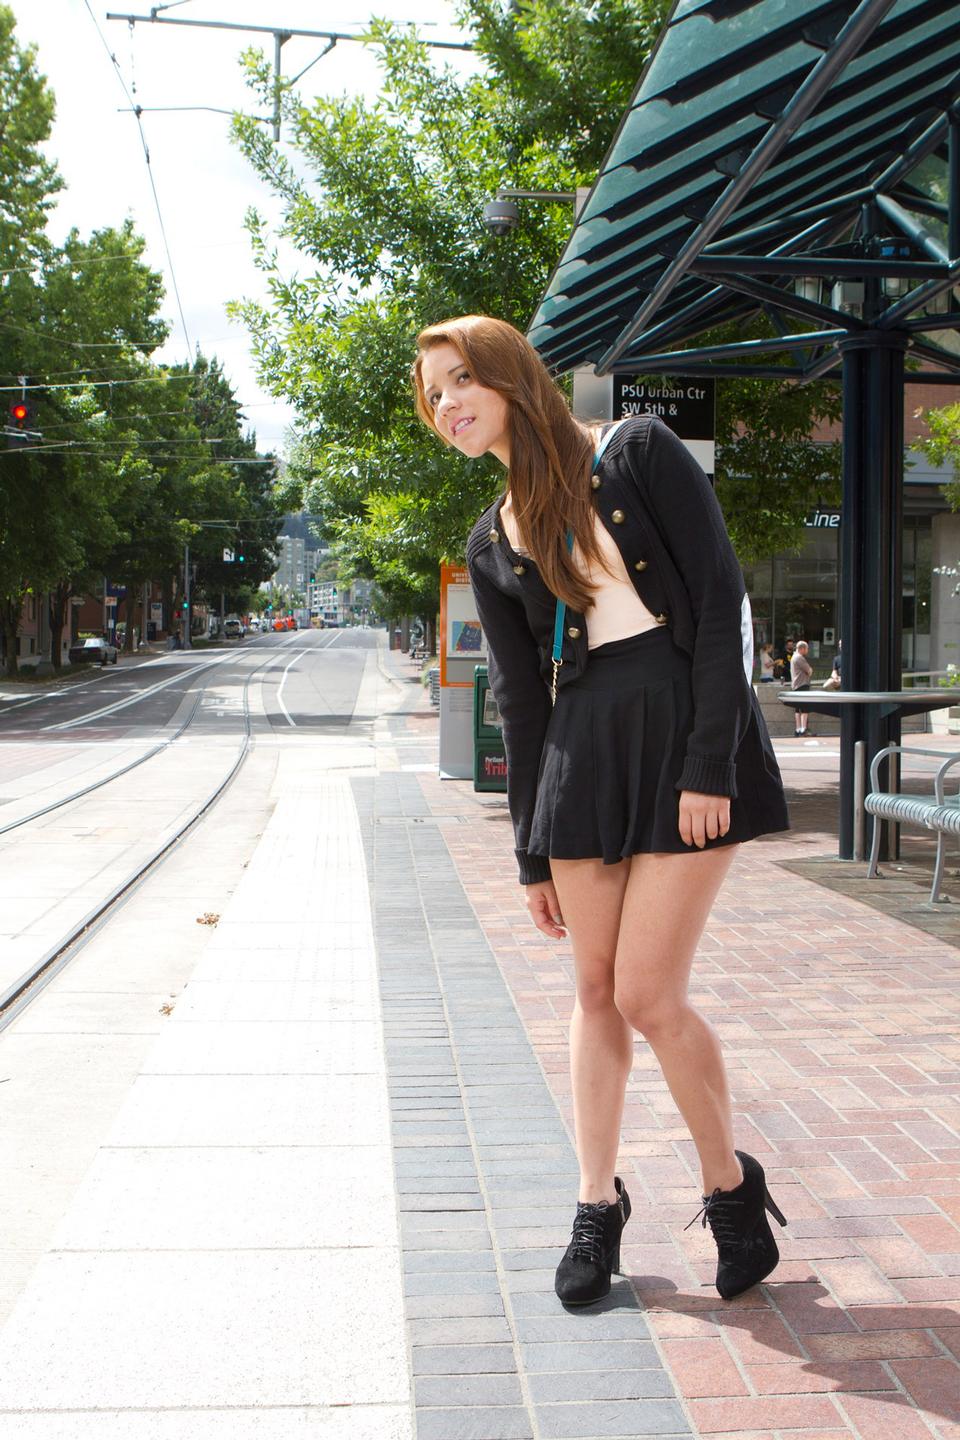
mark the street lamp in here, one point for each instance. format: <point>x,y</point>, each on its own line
<point>501,214</point>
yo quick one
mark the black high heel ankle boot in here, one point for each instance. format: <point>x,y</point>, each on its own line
<point>747,1251</point>
<point>583,1275</point>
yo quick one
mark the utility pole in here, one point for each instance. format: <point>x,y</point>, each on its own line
<point>186,595</point>
<point>281,34</point>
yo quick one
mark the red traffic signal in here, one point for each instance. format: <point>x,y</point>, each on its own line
<point>19,413</point>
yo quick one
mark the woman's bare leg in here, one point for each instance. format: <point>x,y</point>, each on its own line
<point>665,907</point>
<point>601,1041</point>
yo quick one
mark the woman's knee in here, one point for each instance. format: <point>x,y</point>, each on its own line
<point>652,1015</point>
<point>595,989</point>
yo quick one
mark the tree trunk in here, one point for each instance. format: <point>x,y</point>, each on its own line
<point>130,604</point>
<point>59,599</point>
<point>431,635</point>
<point>167,587</point>
<point>10,610</point>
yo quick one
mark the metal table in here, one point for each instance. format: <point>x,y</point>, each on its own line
<point>854,762</point>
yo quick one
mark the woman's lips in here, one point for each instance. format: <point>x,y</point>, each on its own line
<point>461,425</point>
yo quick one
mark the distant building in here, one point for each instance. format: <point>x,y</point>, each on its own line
<point>344,604</point>
<point>297,561</point>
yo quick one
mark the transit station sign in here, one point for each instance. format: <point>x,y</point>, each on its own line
<point>688,406</point>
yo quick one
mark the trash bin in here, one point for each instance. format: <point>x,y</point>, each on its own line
<point>489,756</point>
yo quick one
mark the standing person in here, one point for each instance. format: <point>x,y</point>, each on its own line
<point>630,794</point>
<point>767,672</point>
<point>800,672</point>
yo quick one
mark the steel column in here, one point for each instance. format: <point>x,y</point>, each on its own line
<point>871,548</point>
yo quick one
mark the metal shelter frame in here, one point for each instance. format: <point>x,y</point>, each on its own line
<point>681,234</point>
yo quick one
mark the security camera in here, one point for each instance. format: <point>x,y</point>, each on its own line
<point>501,216</point>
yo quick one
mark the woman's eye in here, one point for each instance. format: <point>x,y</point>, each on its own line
<point>464,376</point>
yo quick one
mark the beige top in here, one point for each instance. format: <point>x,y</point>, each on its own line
<point>617,612</point>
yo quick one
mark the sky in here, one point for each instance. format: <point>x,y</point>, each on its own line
<point>203,183</point>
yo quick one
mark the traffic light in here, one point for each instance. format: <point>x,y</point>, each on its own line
<point>18,429</point>
<point>240,557</point>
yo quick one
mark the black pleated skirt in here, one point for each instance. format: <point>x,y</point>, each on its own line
<point>614,751</point>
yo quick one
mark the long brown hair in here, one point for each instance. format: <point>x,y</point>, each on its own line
<point>551,455</point>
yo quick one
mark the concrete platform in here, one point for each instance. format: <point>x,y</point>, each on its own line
<point>332,1182</point>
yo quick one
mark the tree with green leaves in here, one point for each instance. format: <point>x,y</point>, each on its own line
<point>942,445</point>
<point>385,203</point>
<point>94,307</point>
<point>99,320</point>
<point>28,183</point>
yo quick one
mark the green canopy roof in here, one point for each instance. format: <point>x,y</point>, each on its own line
<point>759,129</point>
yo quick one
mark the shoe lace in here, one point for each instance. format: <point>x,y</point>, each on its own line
<point>588,1231</point>
<point>718,1211</point>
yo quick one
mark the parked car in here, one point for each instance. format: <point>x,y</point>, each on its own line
<point>233,628</point>
<point>254,624</point>
<point>289,623</point>
<point>280,623</point>
<point>92,651</point>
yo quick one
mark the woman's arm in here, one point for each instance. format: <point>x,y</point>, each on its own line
<point>692,527</point>
<point>513,662</point>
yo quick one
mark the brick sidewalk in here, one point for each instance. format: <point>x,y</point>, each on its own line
<point>843,1055</point>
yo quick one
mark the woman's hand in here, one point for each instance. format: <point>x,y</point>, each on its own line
<point>703,817</point>
<point>545,909</point>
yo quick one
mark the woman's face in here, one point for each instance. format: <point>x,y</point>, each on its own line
<point>473,418</point>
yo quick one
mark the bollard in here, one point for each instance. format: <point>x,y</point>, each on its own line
<point>859,789</point>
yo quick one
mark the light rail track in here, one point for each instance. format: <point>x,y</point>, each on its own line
<point>132,765</point>
<point>15,999</point>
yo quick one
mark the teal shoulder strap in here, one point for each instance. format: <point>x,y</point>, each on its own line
<point>561,605</point>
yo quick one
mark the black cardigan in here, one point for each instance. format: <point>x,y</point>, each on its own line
<point>661,511</point>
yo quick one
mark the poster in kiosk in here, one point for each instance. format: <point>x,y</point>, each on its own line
<point>462,645</point>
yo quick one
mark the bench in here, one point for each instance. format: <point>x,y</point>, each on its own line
<point>938,812</point>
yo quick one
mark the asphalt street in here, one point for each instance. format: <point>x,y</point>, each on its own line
<point>310,678</point>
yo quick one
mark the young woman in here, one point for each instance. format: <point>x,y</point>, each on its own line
<point>630,793</point>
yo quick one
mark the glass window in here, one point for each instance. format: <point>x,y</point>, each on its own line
<point>917,571</point>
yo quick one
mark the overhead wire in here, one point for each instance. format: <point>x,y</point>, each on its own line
<point>99,384</point>
<point>83,448</point>
<point>107,259</point>
<point>84,344</point>
<point>146,154</point>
